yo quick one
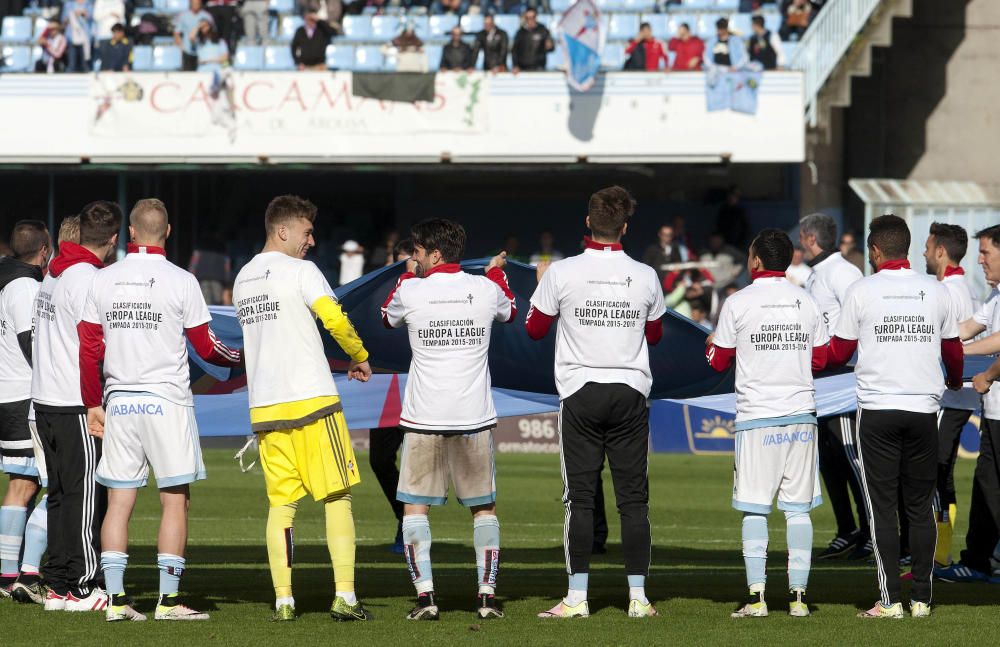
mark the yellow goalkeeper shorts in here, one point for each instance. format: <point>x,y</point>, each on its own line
<point>315,459</point>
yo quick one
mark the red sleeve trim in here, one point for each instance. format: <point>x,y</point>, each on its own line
<point>720,358</point>
<point>654,331</point>
<point>385,306</point>
<point>91,353</point>
<point>538,323</point>
<point>499,277</point>
<point>820,358</point>
<point>954,359</point>
<point>209,348</point>
<point>841,351</point>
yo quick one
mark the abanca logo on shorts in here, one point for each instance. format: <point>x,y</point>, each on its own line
<point>137,409</point>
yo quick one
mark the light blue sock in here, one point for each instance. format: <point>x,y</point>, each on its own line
<point>171,568</point>
<point>486,539</point>
<point>800,539</point>
<point>577,593</point>
<point>755,549</point>
<point>417,548</point>
<point>36,537</point>
<point>113,564</point>
<point>12,522</point>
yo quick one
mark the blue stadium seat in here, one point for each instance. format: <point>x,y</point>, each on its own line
<point>249,57</point>
<point>441,26</point>
<point>706,25</point>
<point>560,6</point>
<point>479,60</point>
<point>658,22</point>
<point>288,26</point>
<point>639,5</point>
<point>15,58</point>
<point>549,20</point>
<point>772,21</point>
<point>472,23</point>
<point>278,58</point>
<point>508,22</point>
<point>390,61</point>
<point>726,5</point>
<point>340,57</point>
<point>613,56</point>
<point>385,27</point>
<point>16,29</point>
<point>166,58</point>
<point>142,58</point>
<point>610,5</point>
<point>675,20</point>
<point>368,58</point>
<point>741,24</point>
<point>174,6</point>
<point>357,28</point>
<point>40,25</point>
<point>789,48</point>
<point>433,57</point>
<point>556,60</point>
<point>623,25</point>
<point>282,6</point>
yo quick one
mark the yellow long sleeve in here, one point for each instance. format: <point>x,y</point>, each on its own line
<point>340,327</point>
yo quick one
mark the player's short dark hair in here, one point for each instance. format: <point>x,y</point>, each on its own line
<point>404,246</point>
<point>609,209</point>
<point>823,227</point>
<point>993,233</point>
<point>774,249</point>
<point>286,208</point>
<point>445,236</point>
<point>99,221</point>
<point>644,25</point>
<point>28,238</point>
<point>758,20</point>
<point>953,238</point>
<point>891,235</point>
<point>722,23</point>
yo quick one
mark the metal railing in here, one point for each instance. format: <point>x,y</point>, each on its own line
<point>825,42</point>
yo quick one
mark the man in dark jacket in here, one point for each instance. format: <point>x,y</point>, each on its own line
<point>493,42</point>
<point>456,55</point>
<point>532,44</point>
<point>310,41</point>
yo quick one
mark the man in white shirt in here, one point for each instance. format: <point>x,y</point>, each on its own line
<point>76,501</point>
<point>903,325</point>
<point>139,315</point>
<point>827,283</point>
<point>609,308</point>
<point>295,410</point>
<point>20,278</point>
<point>775,332</point>
<point>448,414</point>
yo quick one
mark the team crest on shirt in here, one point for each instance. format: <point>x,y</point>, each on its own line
<point>152,281</point>
<point>628,281</point>
<point>469,297</point>
<point>922,295</point>
<point>267,274</point>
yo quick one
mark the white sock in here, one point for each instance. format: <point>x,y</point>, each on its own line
<point>349,597</point>
<point>574,598</point>
<point>638,593</point>
<point>281,601</point>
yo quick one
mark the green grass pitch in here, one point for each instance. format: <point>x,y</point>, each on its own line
<point>696,580</point>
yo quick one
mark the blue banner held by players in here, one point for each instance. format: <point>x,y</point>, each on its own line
<point>582,40</point>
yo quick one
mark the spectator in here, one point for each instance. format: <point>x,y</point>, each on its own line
<point>765,46</point>
<point>547,252</point>
<point>726,50</point>
<point>511,245</point>
<point>107,14</point>
<point>723,260</point>
<point>732,221</point>
<point>798,272</point>
<point>54,45</point>
<point>532,44</point>
<point>329,11</point>
<point>352,261</point>
<point>383,254</point>
<point>227,23</point>
<point>410,48</point>
<point>255,19</point>
<point>682,238</point>
<point>186,22</point>
<point>213,268</point>
<point>645,52</point>
<point>663,252</point>
<point>77,18</point>
<point>699,314</point>
<point>688,50</point>
<point>116,54</point>
<point>493,42</point>
<point>149,27</point>
<point>796,15</point>
<point>212,51</point>
<point>310,41</point>
<point>849,250</point>
<point>459,7</point>
<point>456,55</point>
<point>402,251</point>
<point>684,288</point>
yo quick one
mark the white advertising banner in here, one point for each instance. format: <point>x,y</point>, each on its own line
<point>313,117</point>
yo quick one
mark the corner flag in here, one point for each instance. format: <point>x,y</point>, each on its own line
<point>582,40</point>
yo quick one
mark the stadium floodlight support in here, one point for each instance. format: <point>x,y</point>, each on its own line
<point>824,44</point>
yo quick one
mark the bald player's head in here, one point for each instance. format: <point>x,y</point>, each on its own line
<point>148,223</point>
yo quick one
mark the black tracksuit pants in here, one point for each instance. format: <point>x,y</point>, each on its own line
<point>76,501</point>
<point>383,446</point>
<point>898,454</point>
<point>984,510</point>
<point>609,420</point>
<point>950,425</point>
<point>837,450</point>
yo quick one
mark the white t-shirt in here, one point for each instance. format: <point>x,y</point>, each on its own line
<point>55,380</point>
<point>144,303</point>
<point>17,306</point>
<point>989,315</point>
<point>273,295</point>
<point>603,299</point>
<point>774,326</point>
<point>449,317</point>
<point>828,285</point>
<point>899,318</point>
<point>965,304</point>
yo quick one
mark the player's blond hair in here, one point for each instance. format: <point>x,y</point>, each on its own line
<point>69,230</point>
<point>149,218</point>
